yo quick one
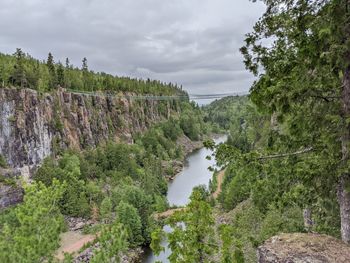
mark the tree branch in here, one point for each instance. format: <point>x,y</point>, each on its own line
<point>306,150</point>
<point>326,98</point>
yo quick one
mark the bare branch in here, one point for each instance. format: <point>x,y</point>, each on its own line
<point>306,150</point>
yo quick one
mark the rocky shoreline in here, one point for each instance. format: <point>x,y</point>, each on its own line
<point>173,167</point>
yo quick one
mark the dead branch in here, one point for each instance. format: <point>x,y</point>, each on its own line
<point>306,150</point>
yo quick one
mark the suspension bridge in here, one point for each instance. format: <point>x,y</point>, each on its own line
<point>196,97</point>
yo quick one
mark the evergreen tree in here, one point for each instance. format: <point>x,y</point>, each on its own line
<point>112,242</point>
<point>128,216</point>
<point>191,239</point>
<point>60,75</point>
<point>19,75</point>
<point>33,233</point>
<point>304,80</point>
<point>67,63</point>
<point>50,63</point>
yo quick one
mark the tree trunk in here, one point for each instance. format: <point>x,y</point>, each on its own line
<point>344,180</point>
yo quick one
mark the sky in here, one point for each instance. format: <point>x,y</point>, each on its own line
<point>194,43</point>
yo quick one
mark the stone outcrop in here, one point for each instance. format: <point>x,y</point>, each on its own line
<point>130,256</point>
<point>303,248</point>
<point>10,192</point>
<point>34,125</point>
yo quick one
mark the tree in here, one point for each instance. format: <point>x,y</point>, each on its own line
<point>33,234</point>
<point>106,209</point>
<point>304,78</point>
<point>60,75</point>
<point>84,67</point>
<point>86,75</point>
<point>128,216</point>
<point>50,63</point>
<point>18,76</point>
<point>191,238</point>
<point>67,63</point>
<point>112,242</point>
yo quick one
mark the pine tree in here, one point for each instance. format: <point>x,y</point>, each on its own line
<point>50,63</point>
<point>35,235</point>
<point>60,75</point>
<point>86,79</point>
<point>112,242</point>
<point>67,63</point>
<point>19,75</point>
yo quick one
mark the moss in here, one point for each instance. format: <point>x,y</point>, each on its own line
<point>110,125</point>
<point>12,118</point>
<point>8,181</point>
<point>56,121</point>
<point>56,146</point>
<point>3,162</point>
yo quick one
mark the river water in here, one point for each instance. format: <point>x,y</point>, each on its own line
<point>195,173</point>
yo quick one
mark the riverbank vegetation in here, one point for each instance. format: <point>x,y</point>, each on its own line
<point>116,186</point>
<point>288,154</point>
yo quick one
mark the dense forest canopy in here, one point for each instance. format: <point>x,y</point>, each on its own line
<point>24,71</point>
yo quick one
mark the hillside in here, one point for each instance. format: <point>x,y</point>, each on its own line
<point>100,159</point>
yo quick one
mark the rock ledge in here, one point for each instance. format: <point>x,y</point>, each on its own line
<point>303,248</point>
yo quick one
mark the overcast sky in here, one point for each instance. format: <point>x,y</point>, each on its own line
<point>190,42</point>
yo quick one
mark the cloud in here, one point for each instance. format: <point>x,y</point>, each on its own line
<point>191,42</point>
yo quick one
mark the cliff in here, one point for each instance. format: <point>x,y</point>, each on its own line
<point>303,248</point>
<point>35,125</point>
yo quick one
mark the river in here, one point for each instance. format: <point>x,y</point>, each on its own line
<point>195,173</point>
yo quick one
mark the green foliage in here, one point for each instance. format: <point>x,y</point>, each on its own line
<point>191,238</point>
<point>171,129</point>
<point>231,249</point>
<point>112,242</point>
<point>22,70</point>
<point>128,216</point>
<point>106,209</point>
<point>32,234</point>
<point>3,162</point>
<point>225,111</point>
<point>74,201</point>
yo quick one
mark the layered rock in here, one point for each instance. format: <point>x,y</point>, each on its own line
<point>303,248</point>
<point>35,125</point>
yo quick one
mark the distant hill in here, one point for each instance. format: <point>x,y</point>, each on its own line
<point>223,111</point>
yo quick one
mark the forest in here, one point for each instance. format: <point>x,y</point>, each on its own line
<point>23,71</point>
<point>287,156</point>
<point>118,186</point>
<point>286,160</point>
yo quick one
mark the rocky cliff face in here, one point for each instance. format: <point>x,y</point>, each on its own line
<point>33,125</point>
<point>303,248</point>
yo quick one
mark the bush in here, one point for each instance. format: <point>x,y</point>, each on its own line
<point>128,216</point>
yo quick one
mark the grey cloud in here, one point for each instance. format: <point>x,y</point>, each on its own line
<point>190,42</point>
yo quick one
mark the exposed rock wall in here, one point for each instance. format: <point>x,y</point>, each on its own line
<point>303,248</point>
<point>34,125</point>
